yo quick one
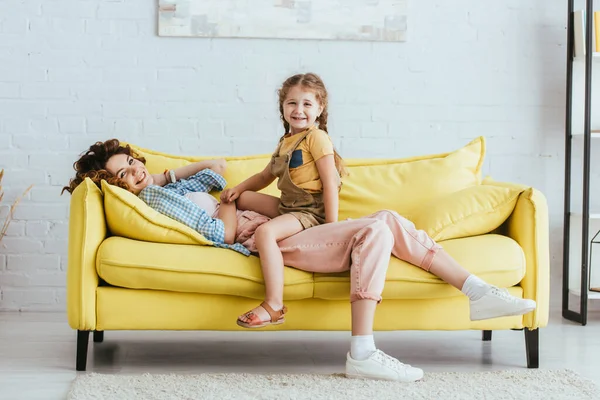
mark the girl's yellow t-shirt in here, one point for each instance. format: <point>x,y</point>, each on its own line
<point>303,169</point>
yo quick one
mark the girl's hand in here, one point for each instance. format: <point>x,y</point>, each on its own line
<point>230,195</point>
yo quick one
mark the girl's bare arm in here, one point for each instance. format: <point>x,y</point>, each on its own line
<point>330,179</point>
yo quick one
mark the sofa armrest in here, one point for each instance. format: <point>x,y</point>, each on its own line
<point>87,230</point>
<point>528,226</point>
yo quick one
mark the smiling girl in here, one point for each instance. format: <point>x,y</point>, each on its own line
<point>309,173</point>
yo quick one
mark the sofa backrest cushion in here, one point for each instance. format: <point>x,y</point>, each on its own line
<point>373,184</point>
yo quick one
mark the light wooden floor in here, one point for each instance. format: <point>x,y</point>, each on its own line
<point>37,352</point>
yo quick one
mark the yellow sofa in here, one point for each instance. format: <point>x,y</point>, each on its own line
<point>131,268</point>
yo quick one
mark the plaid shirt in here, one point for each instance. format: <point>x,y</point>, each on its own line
<point>170,200</point>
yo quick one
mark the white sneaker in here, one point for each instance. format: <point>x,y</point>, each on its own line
<point>499,303</point>
<point>381,366</point>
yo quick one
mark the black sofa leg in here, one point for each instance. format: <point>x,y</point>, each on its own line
<point>486,336</point>
<point>98,336</point>
<point>532,346</point>
<point>82,348</point>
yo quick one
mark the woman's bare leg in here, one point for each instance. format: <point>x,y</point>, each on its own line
<point>447,268</point>
<point>363,315</point>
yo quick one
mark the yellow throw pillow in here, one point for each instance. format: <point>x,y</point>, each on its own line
<point>405,184</point>
<point>472,211</point>
<point>128,216</point>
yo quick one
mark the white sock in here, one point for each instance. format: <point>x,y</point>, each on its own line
<point>474,287</point>
<point>361,347</point>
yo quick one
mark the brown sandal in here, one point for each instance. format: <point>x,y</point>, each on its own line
<point>256,322</point>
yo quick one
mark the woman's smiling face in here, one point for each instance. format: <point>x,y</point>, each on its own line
<point>131,171</point>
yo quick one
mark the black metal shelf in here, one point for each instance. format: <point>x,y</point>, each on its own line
<point>581,316</point>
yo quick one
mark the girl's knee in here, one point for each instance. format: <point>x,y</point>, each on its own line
<point>267,232</point>
<point>262,233</point>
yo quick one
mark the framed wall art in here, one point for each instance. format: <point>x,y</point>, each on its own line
<point>369,20</point>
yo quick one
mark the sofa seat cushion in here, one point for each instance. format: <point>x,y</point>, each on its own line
<point>190,268</point>
<point>497,259</point>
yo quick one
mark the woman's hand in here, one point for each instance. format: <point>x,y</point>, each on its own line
<point>230,195</point>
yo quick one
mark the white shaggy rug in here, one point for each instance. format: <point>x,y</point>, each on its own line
<point>520,384</point>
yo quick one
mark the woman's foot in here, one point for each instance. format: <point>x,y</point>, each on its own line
<point>381,366</point>
<point>262,316</point>
<point>498,302</point>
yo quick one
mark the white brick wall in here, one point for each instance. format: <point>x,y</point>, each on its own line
<point>76,71</point>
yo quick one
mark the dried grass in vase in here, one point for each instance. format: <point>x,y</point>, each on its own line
<point>13,207</point>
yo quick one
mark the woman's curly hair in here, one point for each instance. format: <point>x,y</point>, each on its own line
<point>92,164</point>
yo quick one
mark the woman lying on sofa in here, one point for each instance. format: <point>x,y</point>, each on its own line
<point>362,246</point>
